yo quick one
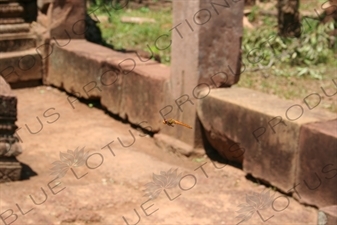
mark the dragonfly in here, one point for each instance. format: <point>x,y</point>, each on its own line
<point>170,123</point>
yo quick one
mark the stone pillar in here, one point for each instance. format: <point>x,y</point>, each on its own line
<point>10,168</point>
<point>206,49</point>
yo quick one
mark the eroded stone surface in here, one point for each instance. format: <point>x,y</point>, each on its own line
<point>253,120</point>
<point>67,19</point>
<point>316,173</point>
<point>9,146</point>
<point>21,66</point>
<point>126,85</point>
<point>143,94</point>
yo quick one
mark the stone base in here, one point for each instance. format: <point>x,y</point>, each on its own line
<point>21,66</point>
<point>10,169</point>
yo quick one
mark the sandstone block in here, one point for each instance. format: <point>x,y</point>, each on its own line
<point>16,41</point>
<point>85,68</point>
<point>263,127</point>
<point>68,19</point>
<point>143,94</point>
<point>21,66</point>
<point>126,85</point>
<point>316,174</point>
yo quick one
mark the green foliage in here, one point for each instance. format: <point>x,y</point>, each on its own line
<point>253,14</point>
<point>264,48</point>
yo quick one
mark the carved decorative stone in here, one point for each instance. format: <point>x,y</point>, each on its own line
<point>20,57</point>
<point>10,168</point>
<point>10,147</point>
<point>15,19</point>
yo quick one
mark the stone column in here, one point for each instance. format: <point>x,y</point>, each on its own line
<point>10,168</point>
<point>206,50</point>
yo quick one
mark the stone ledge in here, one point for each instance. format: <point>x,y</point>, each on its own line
<point>21,66</point>
<point>122,81</point>
<point>253,121</point>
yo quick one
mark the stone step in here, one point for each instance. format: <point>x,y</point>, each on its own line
<point>16,20</point>
<point>21,66</point>
<point>10,42</point>
<point>14,28</point>
<point>12,9</point>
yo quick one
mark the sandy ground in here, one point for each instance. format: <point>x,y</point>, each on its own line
<point>109,187</point>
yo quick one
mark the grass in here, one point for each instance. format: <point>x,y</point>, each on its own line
<point>139,36</point>
<point>292,77</point>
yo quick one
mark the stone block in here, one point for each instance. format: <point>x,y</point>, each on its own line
<point>75,67</point>
<point>120,80</point>
<point>10,169</point>
<point>121,71</point>
<point>316,176</point>
<point>21,66</point>
<point>10,42</point>
<point>86,69</point>
<point>68,19</point>
<point>261,125</point>
<point>143,94</point>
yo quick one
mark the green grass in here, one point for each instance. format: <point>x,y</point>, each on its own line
<point>307,65</point>
<point>139,36</point>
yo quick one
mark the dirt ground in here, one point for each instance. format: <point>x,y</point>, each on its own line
<point>109,187</point>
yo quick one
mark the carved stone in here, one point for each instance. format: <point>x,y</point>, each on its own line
<point>15,19</point>
<point>10,169</point>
